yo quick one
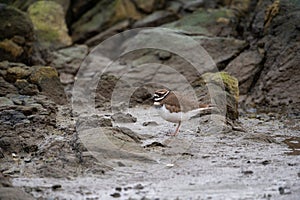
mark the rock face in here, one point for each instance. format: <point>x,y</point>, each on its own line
<point>278,78</point>
<point>48,19</point>
<point>245,67</point>
<point>17,35</point>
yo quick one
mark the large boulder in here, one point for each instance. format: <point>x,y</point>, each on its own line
<point>17,35</point>
<point>48,18</point>
<point>222,89</point>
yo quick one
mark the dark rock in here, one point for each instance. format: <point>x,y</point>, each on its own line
<point>7,88</point>
<point>12,117</point>
<point>150,123</point>
<point>266,162</point>
<point>116,195</point>
<point>104,89</point>
<point>123,118</point>
<point>248,172</point>
<point>56,187</point>
<point>140,96</point>
<point>284,190</point>
<point>155,19</point>
<point>17,35</point>
<point>245,68</point>
<point>26,88</point>
<point>274,86</point>
<point>150,5</point>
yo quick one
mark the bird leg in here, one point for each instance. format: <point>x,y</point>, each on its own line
<point>176,131</point>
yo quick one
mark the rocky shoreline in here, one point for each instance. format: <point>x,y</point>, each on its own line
<point>55,143</point>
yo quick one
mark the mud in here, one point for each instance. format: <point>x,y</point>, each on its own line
<point>206,161</point>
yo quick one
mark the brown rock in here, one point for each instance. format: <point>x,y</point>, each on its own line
<point>245,67</point>
<point>277,83</point>
<point>17,35</point>
<point>19,72</point>
<point>6,88</point>
<point>150,5</point>
<point>26,88</point>
<point>46,78</point>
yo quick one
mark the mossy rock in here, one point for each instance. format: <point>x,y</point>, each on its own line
<point>15,73</point>
<point>42,72</point>
<point>48,18</point>
<point>223,90</point>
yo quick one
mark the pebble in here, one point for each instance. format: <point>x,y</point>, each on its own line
<point>150,123</point>
<point>116,195</point>
<point>138,187</point>
<point>55,187</point>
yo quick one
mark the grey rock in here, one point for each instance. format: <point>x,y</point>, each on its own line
<point>245,68</point>
<point>155,19</point>
<point>120,117</point>
<point>5,102</point>
<point>10,193</point>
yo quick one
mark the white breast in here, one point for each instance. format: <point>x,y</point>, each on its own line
<point>177,117</point>
<point>172,117</point>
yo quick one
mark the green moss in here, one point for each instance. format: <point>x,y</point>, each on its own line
<point>49,23</point>
<point>40,73</point>
<point>229,82</point>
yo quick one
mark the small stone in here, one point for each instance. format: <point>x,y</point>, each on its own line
<point>247,172</point>
<point>56,186</point>
<point>123,118</point>
<point>118,189</point>
<point>150,123</point>
<point>164,55</point>
<point>116,195</point>
<point>138,187</point>
<point>266,162</point>
<point>284,190</point>
<point>27,160</point>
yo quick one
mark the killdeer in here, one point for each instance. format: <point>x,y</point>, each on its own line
<point>174,107</point>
